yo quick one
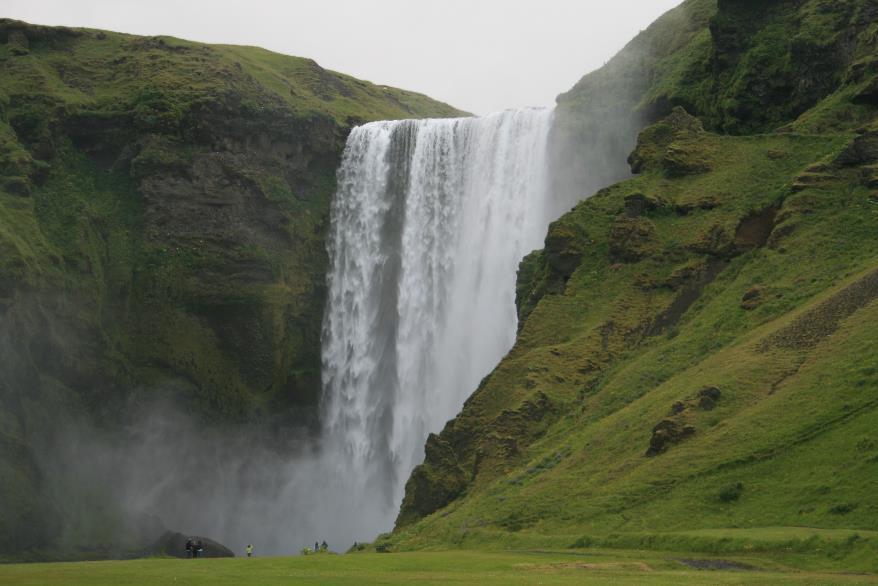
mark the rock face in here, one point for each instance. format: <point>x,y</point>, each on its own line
<point>427,491</point>
<point>163,206</point>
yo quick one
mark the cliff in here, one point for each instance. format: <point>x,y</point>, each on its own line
<point>163,206</point>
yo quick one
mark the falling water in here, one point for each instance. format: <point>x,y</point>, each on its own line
<point>429,223</point>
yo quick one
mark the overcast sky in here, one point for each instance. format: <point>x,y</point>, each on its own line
<point>478,55</point>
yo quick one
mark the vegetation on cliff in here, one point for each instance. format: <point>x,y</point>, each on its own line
<point>697,342</point>
<point>163,206</point>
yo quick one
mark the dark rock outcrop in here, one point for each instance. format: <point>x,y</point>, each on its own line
<point>564,248</point>
<point>708,397</point>
<point>862,150</point>
<point>173,544</point>
<point>667,433</point>
<point>752,298</point>
<point>638,204</point>
<point>430,488</point>
<point>666,145</point>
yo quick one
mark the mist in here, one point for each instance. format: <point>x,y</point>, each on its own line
<point>118,490</point>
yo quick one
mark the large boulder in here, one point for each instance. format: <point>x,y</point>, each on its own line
<point>173,544</point>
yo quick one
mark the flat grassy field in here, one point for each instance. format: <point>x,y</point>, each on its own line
<point>448,567</point>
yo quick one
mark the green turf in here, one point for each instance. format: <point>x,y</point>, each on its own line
<point>458,567</point>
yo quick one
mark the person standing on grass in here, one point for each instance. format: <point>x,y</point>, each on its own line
<point>249,550</point>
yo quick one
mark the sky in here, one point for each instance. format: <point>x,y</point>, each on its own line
<point>478,55</point>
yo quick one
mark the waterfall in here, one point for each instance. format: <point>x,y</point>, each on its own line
<point>429,223</point>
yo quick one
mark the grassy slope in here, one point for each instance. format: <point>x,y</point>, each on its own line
<point>696,291</point>
<point>543,567</point>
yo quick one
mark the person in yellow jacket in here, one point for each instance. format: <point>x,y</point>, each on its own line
<point>249,550</point>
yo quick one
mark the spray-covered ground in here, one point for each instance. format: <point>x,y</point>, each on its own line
<point>450,567</point>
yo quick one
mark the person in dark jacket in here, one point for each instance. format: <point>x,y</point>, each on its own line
<point>189,548</point>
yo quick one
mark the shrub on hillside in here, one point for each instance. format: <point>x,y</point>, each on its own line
<point>731,492</point>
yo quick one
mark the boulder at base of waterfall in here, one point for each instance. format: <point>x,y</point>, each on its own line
<point>173,544</point>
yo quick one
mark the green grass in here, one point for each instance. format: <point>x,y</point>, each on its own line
<point>456,567</point>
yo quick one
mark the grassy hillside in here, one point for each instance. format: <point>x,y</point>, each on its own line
<point>697,347</point>
<point>163,206</point>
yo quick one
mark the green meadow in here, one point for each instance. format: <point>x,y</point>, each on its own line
<point>447,567</point>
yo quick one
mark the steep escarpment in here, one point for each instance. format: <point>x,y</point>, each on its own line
<point>163,206</point>
<point>696,346</point>
<point>741,67</point>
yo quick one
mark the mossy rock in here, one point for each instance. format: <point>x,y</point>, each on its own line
<point>632,239</point>
<point>664,145</point>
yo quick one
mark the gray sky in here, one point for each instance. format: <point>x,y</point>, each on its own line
<point>478,55</point>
